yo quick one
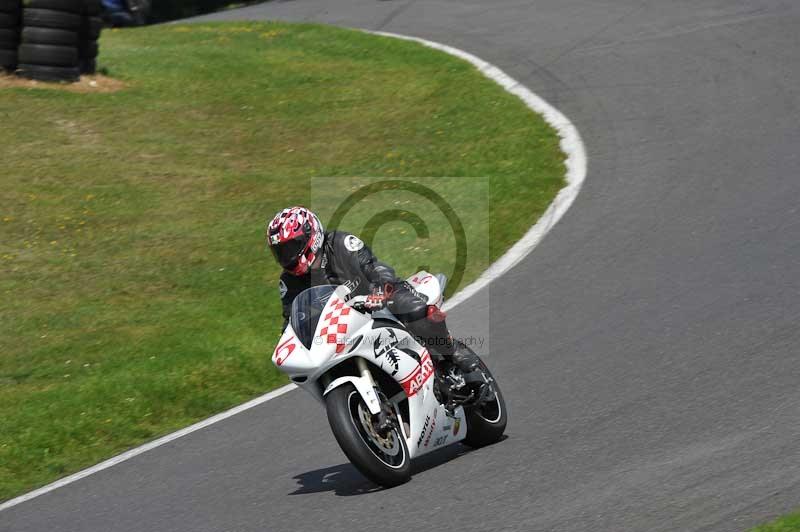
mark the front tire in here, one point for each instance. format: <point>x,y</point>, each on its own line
<point>486,423</point>
<point>384,461</point>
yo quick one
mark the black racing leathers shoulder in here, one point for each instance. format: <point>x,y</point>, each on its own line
<point>345,260</point>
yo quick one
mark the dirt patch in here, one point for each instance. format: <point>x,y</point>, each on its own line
<point>87,84</point>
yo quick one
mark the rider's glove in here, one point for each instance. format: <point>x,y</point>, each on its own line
<point>378,298</point>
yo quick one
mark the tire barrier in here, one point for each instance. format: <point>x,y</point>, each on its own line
<point>10,11</point>
<point>91,26</point>
<point>50,40</point>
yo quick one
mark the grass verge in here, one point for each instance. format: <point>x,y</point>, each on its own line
<point>137,295</point>
<point>788,523</point>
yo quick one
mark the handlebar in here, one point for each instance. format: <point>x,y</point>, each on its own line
<point>358,303</point>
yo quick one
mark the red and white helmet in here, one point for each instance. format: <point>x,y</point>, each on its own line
<point>295,237</point>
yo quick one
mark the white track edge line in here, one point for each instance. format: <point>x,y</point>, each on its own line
<point>146,447</point>
<point>576,163</point>
<point>571,144</point>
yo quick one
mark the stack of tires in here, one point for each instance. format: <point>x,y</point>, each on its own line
<point>9,33</point>
<point>91,26</point>
<point>49,44</point>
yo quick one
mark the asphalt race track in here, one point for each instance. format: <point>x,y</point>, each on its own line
<point>652,367</point>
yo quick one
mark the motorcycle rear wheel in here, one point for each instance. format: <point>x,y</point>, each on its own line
<point>486,423</point>
<point>384,461</point>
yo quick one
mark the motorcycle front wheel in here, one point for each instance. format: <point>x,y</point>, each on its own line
<point>382,459</point>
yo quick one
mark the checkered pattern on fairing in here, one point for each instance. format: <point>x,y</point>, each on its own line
<point>334,328</point>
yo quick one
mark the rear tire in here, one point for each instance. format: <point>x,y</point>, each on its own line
<point>48,73</point>
<point>8,59</point>
<point>387,462</point>
<point>9,20</point>
<point>92,26</point>
<point>88,66</point>
<point>34,35</point>
<point>48,55</point>
<point>10,6</point>
<point>88,49</point>
<point>93,8</point>
<point>9,39</point>
<point>69,6</point>
<point>486,423</point>
<point>49,18</point>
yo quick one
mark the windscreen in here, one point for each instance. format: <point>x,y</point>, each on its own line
<point>306,310</point>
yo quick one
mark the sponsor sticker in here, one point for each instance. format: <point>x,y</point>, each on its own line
<point>414,382</point>
<point>424,430</point>
<point>433,426</point>
<point>353,243</point>
<point>352,285</point>
<point>282,288</point>
<point>317,243</point>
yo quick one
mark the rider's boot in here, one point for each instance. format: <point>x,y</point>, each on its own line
<point>465,358</point>
<point>436,337</point>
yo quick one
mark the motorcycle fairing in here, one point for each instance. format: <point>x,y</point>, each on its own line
<point>399,355</point>
<point>393,350</point>
<point>428,285</point>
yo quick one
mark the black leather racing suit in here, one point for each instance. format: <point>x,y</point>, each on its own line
<point>346,260</point>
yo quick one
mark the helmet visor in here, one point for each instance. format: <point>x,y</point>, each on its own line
<point>288,253</point>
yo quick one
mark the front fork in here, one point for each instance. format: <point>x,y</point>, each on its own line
<point>363,368</point>
<point>385,420</point>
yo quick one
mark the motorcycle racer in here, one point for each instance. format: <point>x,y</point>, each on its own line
<point>310,257</point>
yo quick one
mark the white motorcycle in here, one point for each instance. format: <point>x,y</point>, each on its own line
<point>387,400</point>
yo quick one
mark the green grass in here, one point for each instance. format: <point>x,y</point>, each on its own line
<point>788,523</point>
<point>137,296</point>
